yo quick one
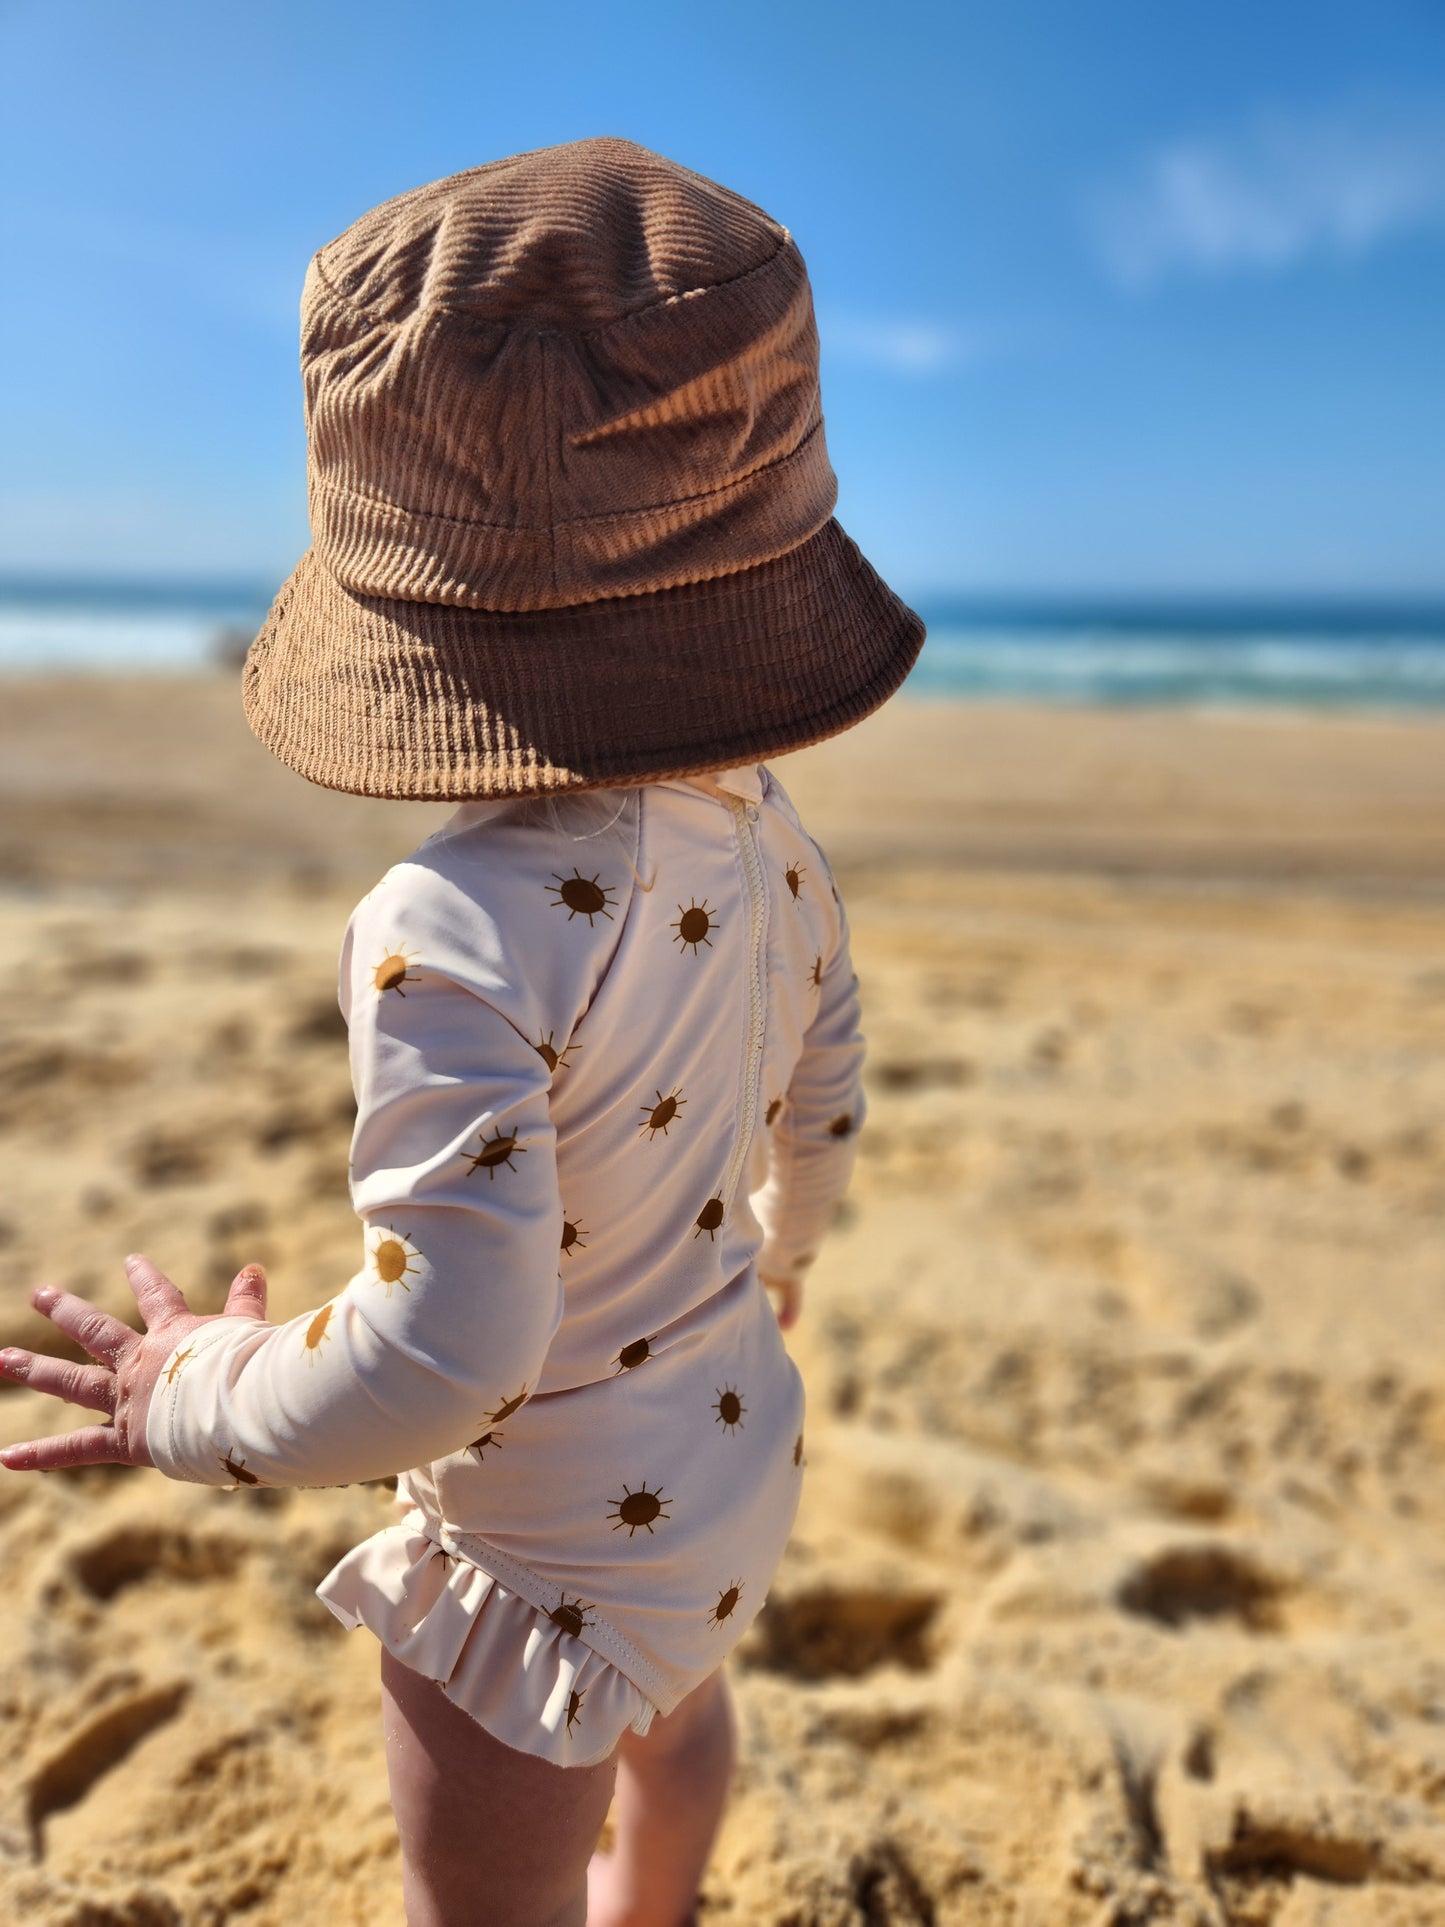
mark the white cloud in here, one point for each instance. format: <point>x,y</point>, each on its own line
<point>902,347</point>
<point>1287,188</point>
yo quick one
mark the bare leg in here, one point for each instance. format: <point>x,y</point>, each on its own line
<point>672,1787</point>
<point>490,1837</point>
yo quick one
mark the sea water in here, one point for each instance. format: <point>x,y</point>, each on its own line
<point>1385,654</point>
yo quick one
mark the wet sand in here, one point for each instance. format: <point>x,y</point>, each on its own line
<point>1117,1593</point>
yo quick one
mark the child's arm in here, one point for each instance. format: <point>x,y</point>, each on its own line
<point>815,1139</point>
<point>454,1177</point>
<point>452,1314</point>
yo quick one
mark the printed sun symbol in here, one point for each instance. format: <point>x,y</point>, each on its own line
<point>394,970</point>
<point>572,1236</point>
<point>841,1126</point>
<point>497,1150</point>
<point>693,925</point>
<point>633,1355</point>
<point>388,1257</point>
<point>638,1508</point>
<point>581,896</point>
<point>661,1114</point>
<point>793,877</point>
<point>729,1408</point>
<point>479,1445</point>
<point>725,1603</point>
<point>237,1469</point>
<point>554,1059</point>
<point>570,1615</point>
<point>770,1116</point>
<point>815,975</point>
<point>173,1370</point>
<point>574,1706</point>
<point>318,1332</point>
<point>505,1410</point>
<point>798,1449</point>
<point>709,1218</point>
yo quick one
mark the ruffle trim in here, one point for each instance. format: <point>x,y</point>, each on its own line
<point>530,1684</point>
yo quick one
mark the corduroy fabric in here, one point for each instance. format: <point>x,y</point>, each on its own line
<point>570,494</point>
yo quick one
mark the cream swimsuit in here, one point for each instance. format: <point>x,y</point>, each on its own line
<point>606,1059</point>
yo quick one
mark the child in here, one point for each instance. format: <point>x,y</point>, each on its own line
<point>573,565</point>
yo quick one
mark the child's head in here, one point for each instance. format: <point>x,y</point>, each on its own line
<point>571,504</point>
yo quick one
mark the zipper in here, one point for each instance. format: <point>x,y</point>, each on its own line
<point>745,815</point>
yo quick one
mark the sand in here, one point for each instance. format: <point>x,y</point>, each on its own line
<point>1118,1589</point>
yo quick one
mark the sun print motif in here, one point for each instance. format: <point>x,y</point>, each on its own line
<point>798,1449</point>
<point>632,1355</point>
<point>729,1408</point>
<point>505,1410</point>
<point>318,1333</point>
<point>570,1615</point>
<point>661,1114</point>
<point>554,1059</point>
<point>389,1255</point>
<point>694,926</point>
<point>394,970</point>
<point>770,1116</point>
<point>581,896</point>
<point>487,1440</point>
<point>638,1508</point>
<point>709,1218</point>
<point>841,1126</point>
<point>815,975</point>
<point>726,1601</point>
<point>173,1370</point>
<point>793,877</point>
<point>574,1706</point>
<point>237,1469</point>
<point>495,1152</point>
<point>573,1236</point>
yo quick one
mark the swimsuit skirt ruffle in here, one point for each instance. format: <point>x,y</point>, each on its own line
<point>530,1684</point>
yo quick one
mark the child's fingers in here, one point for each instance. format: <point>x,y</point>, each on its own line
<point>91,1445</point>
<point>247,1296</point>
<point>88,1385</point>
<point>154,1292</point>
<point>789,1295</point>
<point>101,1335</point>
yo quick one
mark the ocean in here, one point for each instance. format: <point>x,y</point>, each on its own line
<point>1378,655</point>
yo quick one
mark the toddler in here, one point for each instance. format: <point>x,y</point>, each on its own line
<point>574,567</point>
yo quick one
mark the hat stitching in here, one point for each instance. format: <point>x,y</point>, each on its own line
<point>541,528</point>
<point>519,321</point>
<point>678,595</point>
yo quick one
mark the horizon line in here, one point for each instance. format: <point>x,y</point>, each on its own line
<point>938,600</point>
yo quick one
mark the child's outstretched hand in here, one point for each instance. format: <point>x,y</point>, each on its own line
<point>123,1385</point>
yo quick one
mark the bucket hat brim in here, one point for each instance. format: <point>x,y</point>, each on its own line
<point>409,699</point>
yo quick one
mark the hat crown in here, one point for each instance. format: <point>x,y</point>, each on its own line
<point>573,374</point>
<point>569,237</point>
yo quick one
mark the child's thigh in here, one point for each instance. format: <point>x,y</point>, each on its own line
<point>487,1833</point>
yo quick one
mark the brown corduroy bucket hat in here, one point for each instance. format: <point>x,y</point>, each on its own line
<point>571,505</point>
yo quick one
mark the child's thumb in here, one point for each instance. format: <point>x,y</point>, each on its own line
<point>247,1296</point>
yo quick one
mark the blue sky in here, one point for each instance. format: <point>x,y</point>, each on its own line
<point>1112,295</point>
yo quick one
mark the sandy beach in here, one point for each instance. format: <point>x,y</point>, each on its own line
<point>1118,1591</point>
